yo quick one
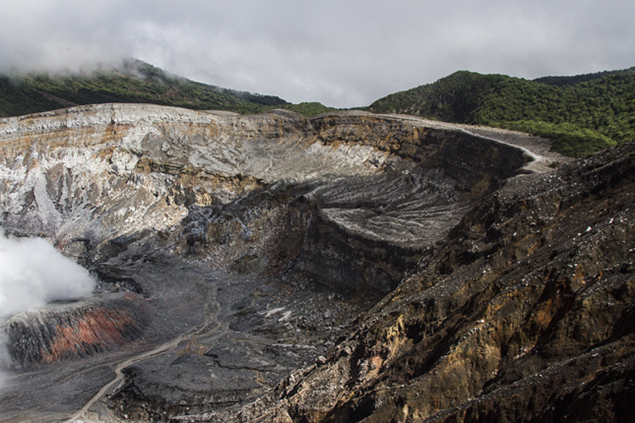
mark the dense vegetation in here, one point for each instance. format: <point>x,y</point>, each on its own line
<point>308,109</point>
<point>581,114</point>
<point>133,82</point>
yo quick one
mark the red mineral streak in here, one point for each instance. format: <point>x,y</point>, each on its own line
<point>101,328</point>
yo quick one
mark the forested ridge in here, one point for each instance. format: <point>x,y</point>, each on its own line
<point>132,82</point>
<point>581,114</point>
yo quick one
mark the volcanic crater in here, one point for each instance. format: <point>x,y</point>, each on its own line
<point>344,267</point>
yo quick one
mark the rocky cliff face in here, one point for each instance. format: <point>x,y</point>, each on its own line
<point>96,180</point>
<point>435,276</point>
<point>69,332</point>
<point>522,313</point>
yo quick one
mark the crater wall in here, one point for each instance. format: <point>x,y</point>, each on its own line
<point>98,180</point>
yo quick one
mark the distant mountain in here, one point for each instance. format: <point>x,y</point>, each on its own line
<point>575,80</point>
<point>133,82</point>
<point>581,114</point>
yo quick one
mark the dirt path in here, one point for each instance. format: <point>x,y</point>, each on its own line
<point>119,374</point>
<point>210,325</point>
<point>539,149</point>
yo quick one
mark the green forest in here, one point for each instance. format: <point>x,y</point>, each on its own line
<point>134,82</point>
<point>580,114</point>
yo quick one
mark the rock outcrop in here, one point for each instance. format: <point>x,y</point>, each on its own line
<point>524,312</point>
<point>68,332</point>
<point>341,268</point>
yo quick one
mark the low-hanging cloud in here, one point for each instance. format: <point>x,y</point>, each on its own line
<point>32,274</point>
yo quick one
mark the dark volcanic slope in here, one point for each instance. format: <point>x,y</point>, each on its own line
<point>523,313</point>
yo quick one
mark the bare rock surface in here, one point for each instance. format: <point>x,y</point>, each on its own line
<point>523,313</point>
<point>343,268</point>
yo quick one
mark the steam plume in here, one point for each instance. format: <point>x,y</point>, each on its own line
<point>33,273</point>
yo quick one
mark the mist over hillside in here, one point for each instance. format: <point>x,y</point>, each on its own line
<point>252,264</point>
<point>132,81</point>
<point>317,212</point>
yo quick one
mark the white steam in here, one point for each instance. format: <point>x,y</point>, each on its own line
<point>33,273</point>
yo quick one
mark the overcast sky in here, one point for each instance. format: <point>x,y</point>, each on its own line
<point>342,53</point>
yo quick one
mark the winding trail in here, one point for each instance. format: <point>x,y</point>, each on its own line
<point>119,373</point>
<point>536,148</point>
<point>211,324</point>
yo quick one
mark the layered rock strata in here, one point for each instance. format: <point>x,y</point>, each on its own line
<point>97,179</point>
<point>524,312</point>
<point>72,331</point>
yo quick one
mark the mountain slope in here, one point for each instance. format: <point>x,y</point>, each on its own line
<point>247,243</point>
<point>581,117</point>
<point>243,261</point>
<point>133,82</point>
<point>581,114</point>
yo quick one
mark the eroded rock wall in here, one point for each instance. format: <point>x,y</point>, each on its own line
<point>69,332</point>
<point>350,203</point>
<point>523,313</point>
<point>98,180</point>
<point>505,298</point>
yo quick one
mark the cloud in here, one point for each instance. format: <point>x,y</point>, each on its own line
<point>342,53</point>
